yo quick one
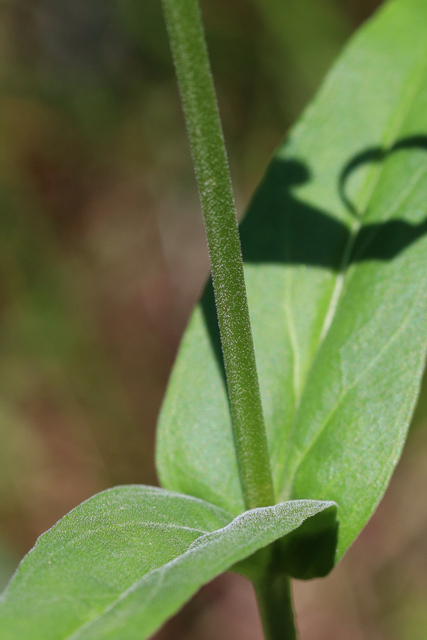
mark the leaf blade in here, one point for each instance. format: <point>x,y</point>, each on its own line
<point>334,244</point>
<point>66,578</point>
<point>125,560</point>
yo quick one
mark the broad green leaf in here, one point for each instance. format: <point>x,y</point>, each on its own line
<point>124,561</point>
<point>336,263</point>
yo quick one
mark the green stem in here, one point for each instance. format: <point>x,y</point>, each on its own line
<point>209,156</point>
<point>275,604</point>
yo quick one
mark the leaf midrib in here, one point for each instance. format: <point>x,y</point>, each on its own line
<point>367,192</point>
<point>196,548</point>
<point>402,326</point>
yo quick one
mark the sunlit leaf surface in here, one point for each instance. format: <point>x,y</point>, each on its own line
<point>335,247</point>
<point>124,561</point>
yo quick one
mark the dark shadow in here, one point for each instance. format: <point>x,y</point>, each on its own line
<point>309,551</point>
<point>375,154</point>
<point>279,228</point>
<point>207,302</point>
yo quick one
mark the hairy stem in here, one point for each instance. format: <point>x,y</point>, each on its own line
<point>275,604</point>
<point>213,177</point>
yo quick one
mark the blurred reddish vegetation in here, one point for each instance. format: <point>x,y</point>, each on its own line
<point>102,258</point>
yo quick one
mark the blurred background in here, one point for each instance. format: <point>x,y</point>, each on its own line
<point>102,256</point>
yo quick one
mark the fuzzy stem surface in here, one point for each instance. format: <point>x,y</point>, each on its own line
<point>213,177</point>
<point>274,597</point>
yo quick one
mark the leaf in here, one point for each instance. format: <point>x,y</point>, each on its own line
<point>125,560</point>
<point>335,248</point>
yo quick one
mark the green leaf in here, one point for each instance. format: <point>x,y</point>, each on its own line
<point>335,247</point>
<point>124,561</point>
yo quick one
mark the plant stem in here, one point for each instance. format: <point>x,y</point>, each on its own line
<point>209,156</point>
<point>275,604</point>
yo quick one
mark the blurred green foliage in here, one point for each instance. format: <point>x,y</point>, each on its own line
<point>101,245</point>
